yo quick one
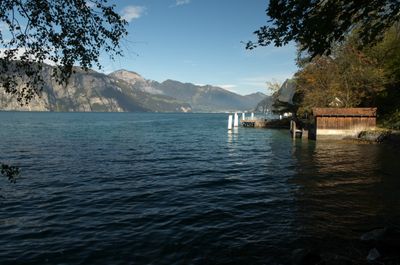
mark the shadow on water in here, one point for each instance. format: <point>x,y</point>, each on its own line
<point>344,190</point>
<point>180,189</point>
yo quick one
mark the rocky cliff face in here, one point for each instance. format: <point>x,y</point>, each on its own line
<point>93,91</point>
<point>128,91</point>
<point>281,101</point>
<point>136,81</point>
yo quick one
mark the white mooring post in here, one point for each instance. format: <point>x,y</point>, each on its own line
<point>243,116</point>
<point>252,115</point>
<point>236,120</point>
<point>230,122</point>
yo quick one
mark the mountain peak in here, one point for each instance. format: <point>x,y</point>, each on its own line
<point>256,94</point>
<point>128,76</point>
<point>122,71</point>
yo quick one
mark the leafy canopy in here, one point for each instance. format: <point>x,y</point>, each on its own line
<point>317,24</point>
<point>351,77</point>
<point>65,32</point>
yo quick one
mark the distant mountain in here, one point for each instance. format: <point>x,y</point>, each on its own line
<point>125,90</point>
<point>136,81</point>
<point>201,98</point>
<point>206,98</point>
<point>265,105</point>
<point>256,98</point>
<point>92,91</point>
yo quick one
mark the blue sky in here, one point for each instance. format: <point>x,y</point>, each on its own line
<point>199,41</point>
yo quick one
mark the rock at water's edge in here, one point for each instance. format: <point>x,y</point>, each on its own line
<point>377,136</point>
<point>374,235</point>
<point>373,255</point>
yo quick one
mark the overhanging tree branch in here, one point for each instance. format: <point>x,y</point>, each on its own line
<point>317,24</point>
<point>66,32</point>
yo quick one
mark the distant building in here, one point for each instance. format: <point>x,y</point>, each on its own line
<point>342,122</point>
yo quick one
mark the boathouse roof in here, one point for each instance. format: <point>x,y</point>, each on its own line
<point>344,112</point>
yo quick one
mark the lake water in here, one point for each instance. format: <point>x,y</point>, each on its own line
<point>125,188</point>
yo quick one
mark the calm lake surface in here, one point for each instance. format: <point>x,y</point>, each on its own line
<point>124,188</point>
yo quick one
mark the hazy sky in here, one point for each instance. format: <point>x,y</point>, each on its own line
<point>199,41</point>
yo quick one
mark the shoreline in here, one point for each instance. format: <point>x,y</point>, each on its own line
<point>379,136</point>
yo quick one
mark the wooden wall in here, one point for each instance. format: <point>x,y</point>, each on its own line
<point>344,123</point>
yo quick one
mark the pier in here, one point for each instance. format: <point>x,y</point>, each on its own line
<point>295,126</point>
<point>295,131</point>
<point>256,123</point>
<point>266,123</point>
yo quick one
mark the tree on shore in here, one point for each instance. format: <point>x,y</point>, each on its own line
<point>353,77</point>
<point>350,52</point>
<point>348,79</point>
<point>63,32</point>
<point>273,86</point>
<point>317,25</point>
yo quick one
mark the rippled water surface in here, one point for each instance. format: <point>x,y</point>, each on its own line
<point>108,188</point>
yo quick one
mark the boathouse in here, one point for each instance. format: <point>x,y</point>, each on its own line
<point>342,122</point>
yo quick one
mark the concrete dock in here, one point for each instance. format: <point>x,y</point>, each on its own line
<point>256,123</point>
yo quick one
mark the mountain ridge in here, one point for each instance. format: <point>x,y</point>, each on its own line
<point>128,91</point>
<point>92,92</point>
<point>202,98</point>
